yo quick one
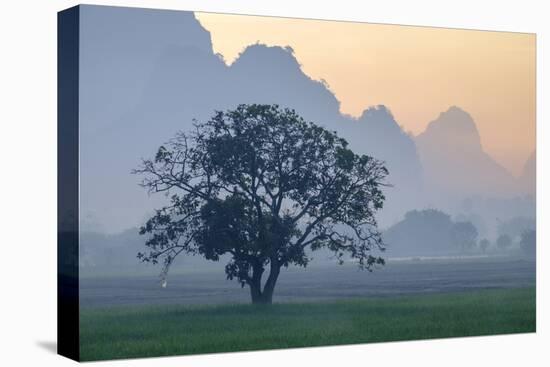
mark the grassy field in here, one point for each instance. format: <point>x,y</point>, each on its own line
<point>127,332</point>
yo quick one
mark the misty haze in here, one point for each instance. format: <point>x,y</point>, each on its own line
<point>206,184</point>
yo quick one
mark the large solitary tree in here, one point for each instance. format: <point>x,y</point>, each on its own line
<point>262,185</point>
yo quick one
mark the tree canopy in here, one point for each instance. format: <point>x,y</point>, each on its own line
<point>262,185</point>
<point>421,232</point>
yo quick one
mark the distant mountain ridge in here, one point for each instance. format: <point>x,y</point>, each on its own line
<point>142,84</point>
<point>183,79</point>
<point>454,161</point>
<point>528,175</point>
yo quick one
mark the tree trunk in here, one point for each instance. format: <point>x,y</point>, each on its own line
<point>256,294</point>
<point>255,283</point>
<point>265,296</point>
<point>271,281</point>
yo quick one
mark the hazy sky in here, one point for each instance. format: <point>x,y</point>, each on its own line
<point>417,72</point>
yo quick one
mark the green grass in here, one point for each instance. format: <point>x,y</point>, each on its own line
<point>127,332</point>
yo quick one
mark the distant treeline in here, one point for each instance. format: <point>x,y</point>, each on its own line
<point>428,232</point>
<point>433,232</point>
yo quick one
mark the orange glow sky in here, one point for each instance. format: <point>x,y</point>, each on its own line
<point>417,72</point>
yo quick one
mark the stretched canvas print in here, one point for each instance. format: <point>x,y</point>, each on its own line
<point>233,183</point>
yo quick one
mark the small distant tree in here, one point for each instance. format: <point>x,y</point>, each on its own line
<point>484,245</point>
<point>504,242</point>
<point>476,219</point>
<point>528,242</point>
<point>262,186</point>
<point>464,235</point>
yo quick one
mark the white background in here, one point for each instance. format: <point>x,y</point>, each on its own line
<point>28,183</point>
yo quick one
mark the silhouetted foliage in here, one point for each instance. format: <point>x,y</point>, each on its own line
<point>528,242</point>
<point>504,242</point>
<point>262,185</point>
<point>464,235</point>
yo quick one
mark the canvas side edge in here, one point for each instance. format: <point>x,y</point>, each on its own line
<point>68,341</point>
